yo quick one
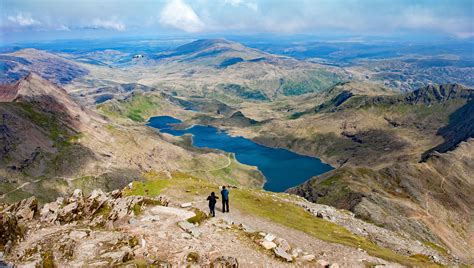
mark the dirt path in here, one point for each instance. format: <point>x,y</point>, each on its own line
<point>332,252</point>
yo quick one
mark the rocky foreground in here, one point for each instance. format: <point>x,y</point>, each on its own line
<point>113,229</point>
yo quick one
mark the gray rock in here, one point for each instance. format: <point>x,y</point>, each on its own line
<point>268,245</point>
<point>49,212</point>
<point>24,210</point>
<point>307,258</point>
<point>322,264</point>
<point>279,252</point>
<point>186,205</point>
<point>77,235</point>
<point>270,237</point>
<point>68,213</point>
<point>189,228</point>
<point>283,244</point>
<point>118,257</point>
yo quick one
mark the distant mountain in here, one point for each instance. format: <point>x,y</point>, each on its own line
<point>219,52</point>
<point>51,67</point>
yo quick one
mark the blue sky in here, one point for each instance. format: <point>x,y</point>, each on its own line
<point>30,19</point>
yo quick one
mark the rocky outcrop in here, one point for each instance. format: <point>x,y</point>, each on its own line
<point>10,231</point>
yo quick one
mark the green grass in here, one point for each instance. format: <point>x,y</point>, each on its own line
<point>265,205</point>
<point>262,204</point>
<point>200,217</point>
<point>297,218</point>
<point>103,211</point>
<point>436,247</point>
<point>152,185</point>
<point>137,108</point>
<point>57,132</point>
<point>314,81</point>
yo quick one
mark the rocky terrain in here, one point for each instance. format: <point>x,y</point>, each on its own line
<point>119,228</point>
<point>51,144</point>
<point>399,196</point>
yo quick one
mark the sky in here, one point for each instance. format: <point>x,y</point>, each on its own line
<point>27,20</point>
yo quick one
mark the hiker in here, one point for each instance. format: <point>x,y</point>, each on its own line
<point>212,203</point>
<point>225,199</point>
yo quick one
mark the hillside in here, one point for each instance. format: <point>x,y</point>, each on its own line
<point>51,144</point>
<point>56,69</point>
<point>421,199</point>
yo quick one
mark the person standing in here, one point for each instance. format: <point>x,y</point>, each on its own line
<point>225,199</point>
<point>212,203</point>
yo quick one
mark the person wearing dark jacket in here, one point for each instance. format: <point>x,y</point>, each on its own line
<point>225,199</point>
<point>212,203</point>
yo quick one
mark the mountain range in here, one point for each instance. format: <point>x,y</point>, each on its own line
<point>403,160</point>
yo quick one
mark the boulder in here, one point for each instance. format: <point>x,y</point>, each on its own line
<point>123,207</point>
<point>308,258</point>
<point>77,235</point>
<point>24,210</point>
<point>322,264</point>
<point>268,245</point>
<point>118,257</point>
<point>49,212</point>
<point>283,244</point>
<point>69,212</point>
<point>186,205</point>
<point>225,262</point>
<point>189,228</point>
<point>296,252</point>
<point>269,237</point>
<point>334,265</point>
<point>94,202</point>
<point>281,253</point>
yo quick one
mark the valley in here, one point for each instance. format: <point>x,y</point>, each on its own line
<point>399,156</point>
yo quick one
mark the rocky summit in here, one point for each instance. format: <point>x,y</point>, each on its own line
<point>116,228</point>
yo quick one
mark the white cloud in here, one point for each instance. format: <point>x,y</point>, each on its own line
<point>178,14</point>
<point>108,24</point>
<point>251,5</point>
<point>23,19</point>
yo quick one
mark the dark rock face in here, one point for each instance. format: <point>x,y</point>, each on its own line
<point>460,128</point>
<point>225,262</point>
<point>10,230</point>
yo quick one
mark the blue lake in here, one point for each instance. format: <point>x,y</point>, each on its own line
<point>282,169</point>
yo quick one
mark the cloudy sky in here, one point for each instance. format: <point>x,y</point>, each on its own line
<point>76,18</point>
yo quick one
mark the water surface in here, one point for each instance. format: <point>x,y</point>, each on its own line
<point>282,169</point>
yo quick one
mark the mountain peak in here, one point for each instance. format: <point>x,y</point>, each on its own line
<point>202,44</point>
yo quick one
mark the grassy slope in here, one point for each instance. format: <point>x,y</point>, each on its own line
<point>137,108</point>
<point>263,204</point>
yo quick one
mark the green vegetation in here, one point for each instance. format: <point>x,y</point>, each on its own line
<point>47,258</point>
<point>243,91</point>
<point>436,247</point>
<point>288,214</point>
<point>59,134</point>
<point>192,257</point>
<point>103,211</point>
<point>152,185</point>
<point>265,205</point>
<point>136,108</point>
<point>200,217</point>
<point>314,81</point>
<point>272,207</point>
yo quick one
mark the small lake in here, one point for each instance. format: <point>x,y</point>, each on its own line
<point>282,169</point>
